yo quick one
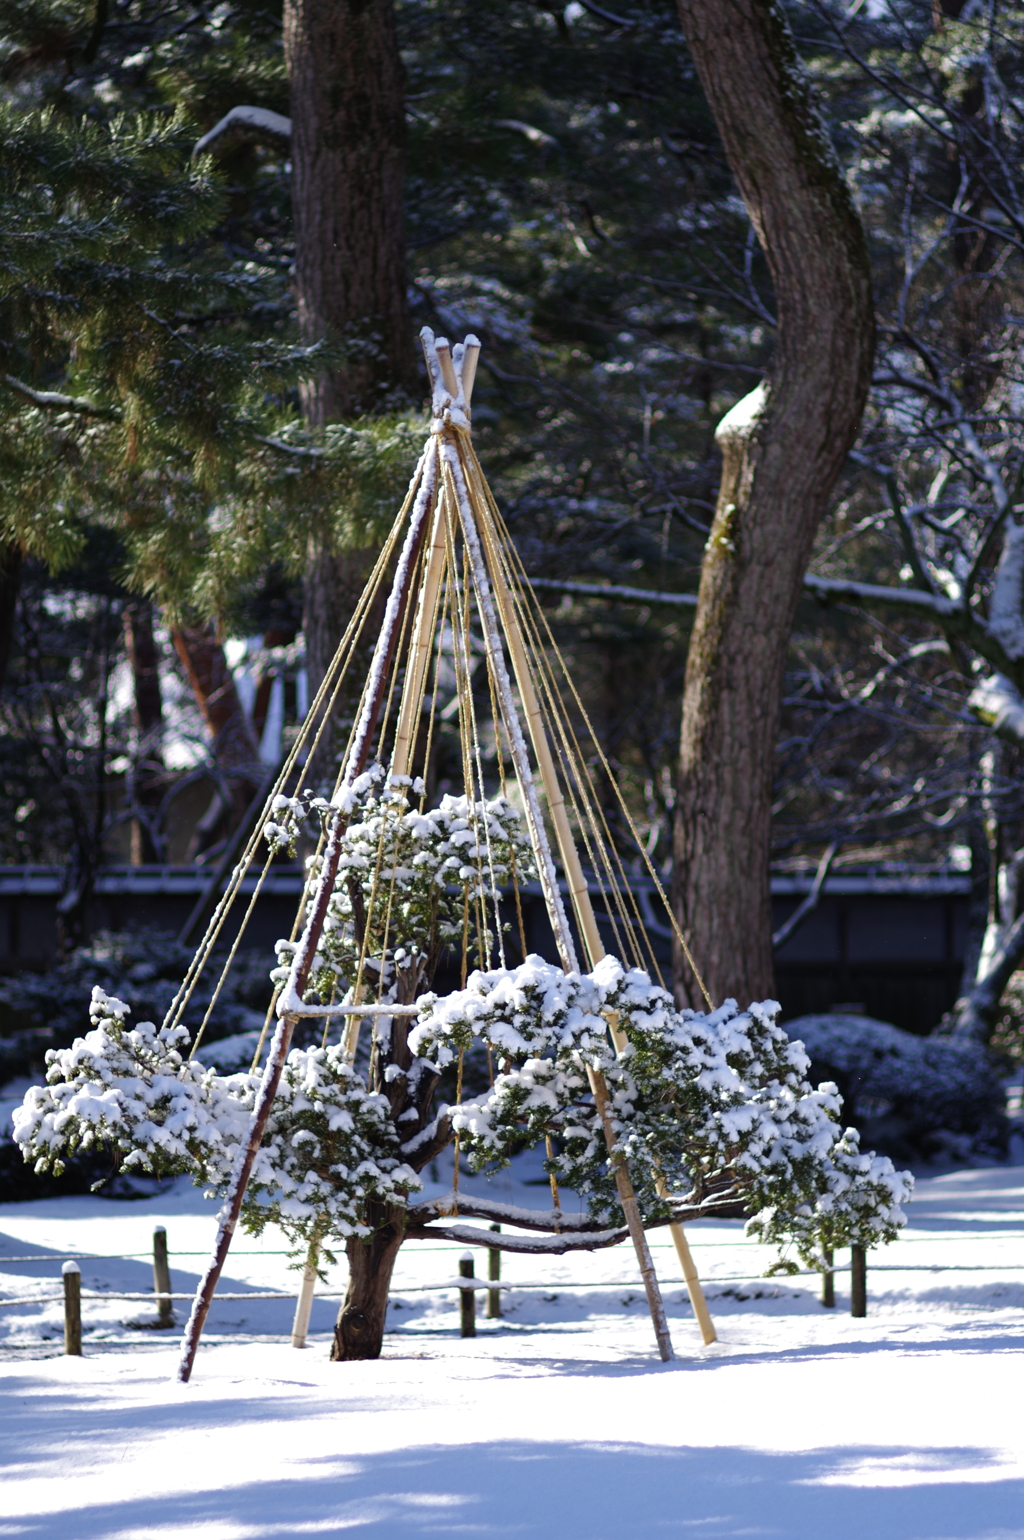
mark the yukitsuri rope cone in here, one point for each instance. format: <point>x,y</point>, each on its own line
<point>449,544</point>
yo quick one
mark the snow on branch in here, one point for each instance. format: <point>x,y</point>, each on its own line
<point>249,123</point>
<point>1004,610</point>
<point>998,703</point>
<point>54,401</point>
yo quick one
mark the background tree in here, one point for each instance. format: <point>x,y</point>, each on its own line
<point>783,447</point>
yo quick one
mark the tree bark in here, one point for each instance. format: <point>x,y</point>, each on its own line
<point>359,1330</point>
<point>10,587</point>
<point>148,714</point>
<point>782,449</point>
<point>348,186</point>
<point>234,746</point>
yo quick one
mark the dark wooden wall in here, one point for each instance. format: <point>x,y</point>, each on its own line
<point>892,947</point>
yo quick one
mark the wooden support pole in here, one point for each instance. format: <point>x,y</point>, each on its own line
<point>858,1281</point>
<point>305,952</point>
<point>490,588</point>
<point>444,359</point>
<point>828,1281</point>
<point>422,645</point>
<point>304,1303</point>
<point>691,1278</point>
<point>72,1275</point>
<point>494,1274</point>
<point>162,1279</point>
<point>467,1298</point>
<point>582,906</point>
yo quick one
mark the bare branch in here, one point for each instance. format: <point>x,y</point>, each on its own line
<point>810,902</point>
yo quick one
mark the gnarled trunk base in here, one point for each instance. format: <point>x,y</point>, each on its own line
<point>359,1329</point>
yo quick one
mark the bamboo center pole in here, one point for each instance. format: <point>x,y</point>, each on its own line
<point>422,646</point>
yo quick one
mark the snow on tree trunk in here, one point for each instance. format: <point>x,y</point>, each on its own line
<point>783,447</point>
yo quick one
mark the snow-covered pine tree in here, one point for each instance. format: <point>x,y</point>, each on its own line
<point>713,1111</point>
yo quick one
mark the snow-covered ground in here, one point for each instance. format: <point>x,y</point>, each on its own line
<point>557,1422</point>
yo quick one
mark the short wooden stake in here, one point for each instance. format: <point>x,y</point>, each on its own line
<point>467,1297</point>
<point>304,1303</point>
<point>828,1281</point>
<point>858,1281</point>
<point>162,1278</point>
<point>72,1308</point>
<point>494,1274</point>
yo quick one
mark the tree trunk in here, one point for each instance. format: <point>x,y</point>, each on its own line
<point>10,587</point>
<point>148,714</point>
<point>359,1331</point>
<point>782,448</point>
<point>348,186</point>
<point>234,746</point>
<point>332,589</point>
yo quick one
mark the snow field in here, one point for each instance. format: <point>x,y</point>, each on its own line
<point>557,1421</point>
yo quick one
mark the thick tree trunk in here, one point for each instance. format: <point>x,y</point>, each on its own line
<point>148,713</point>
<point>359,1331</point>
<point>782,448</point>
<point>348,187</point>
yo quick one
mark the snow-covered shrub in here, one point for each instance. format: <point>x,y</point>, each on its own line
<point>717,1106</point>
<point>144,968</point>
<point>131,1090</point>
<point>910,1092</point>
<point>414,878</point>
<point>329,1147</point>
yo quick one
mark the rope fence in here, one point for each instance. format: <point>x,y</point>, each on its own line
<point>163,1297</point>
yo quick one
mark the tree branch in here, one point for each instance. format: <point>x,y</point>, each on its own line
<point>572,1232</point>
<point>810,902</point>
<point>53,401</point>
<point>246,123</point>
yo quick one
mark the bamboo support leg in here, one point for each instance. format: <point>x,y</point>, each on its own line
<point>304,1303</point>
<point>701,1312</point>
<point>302,962</point>
<point>634,1224</point>
<point>556,911</point>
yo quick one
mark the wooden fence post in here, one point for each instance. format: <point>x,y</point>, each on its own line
<point>828,1280</point>
<point>72,1274</point>
<point>162,1278</point>
<point>494,1274</point>
<point>467,1297</point>
<point>858,1281</point>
